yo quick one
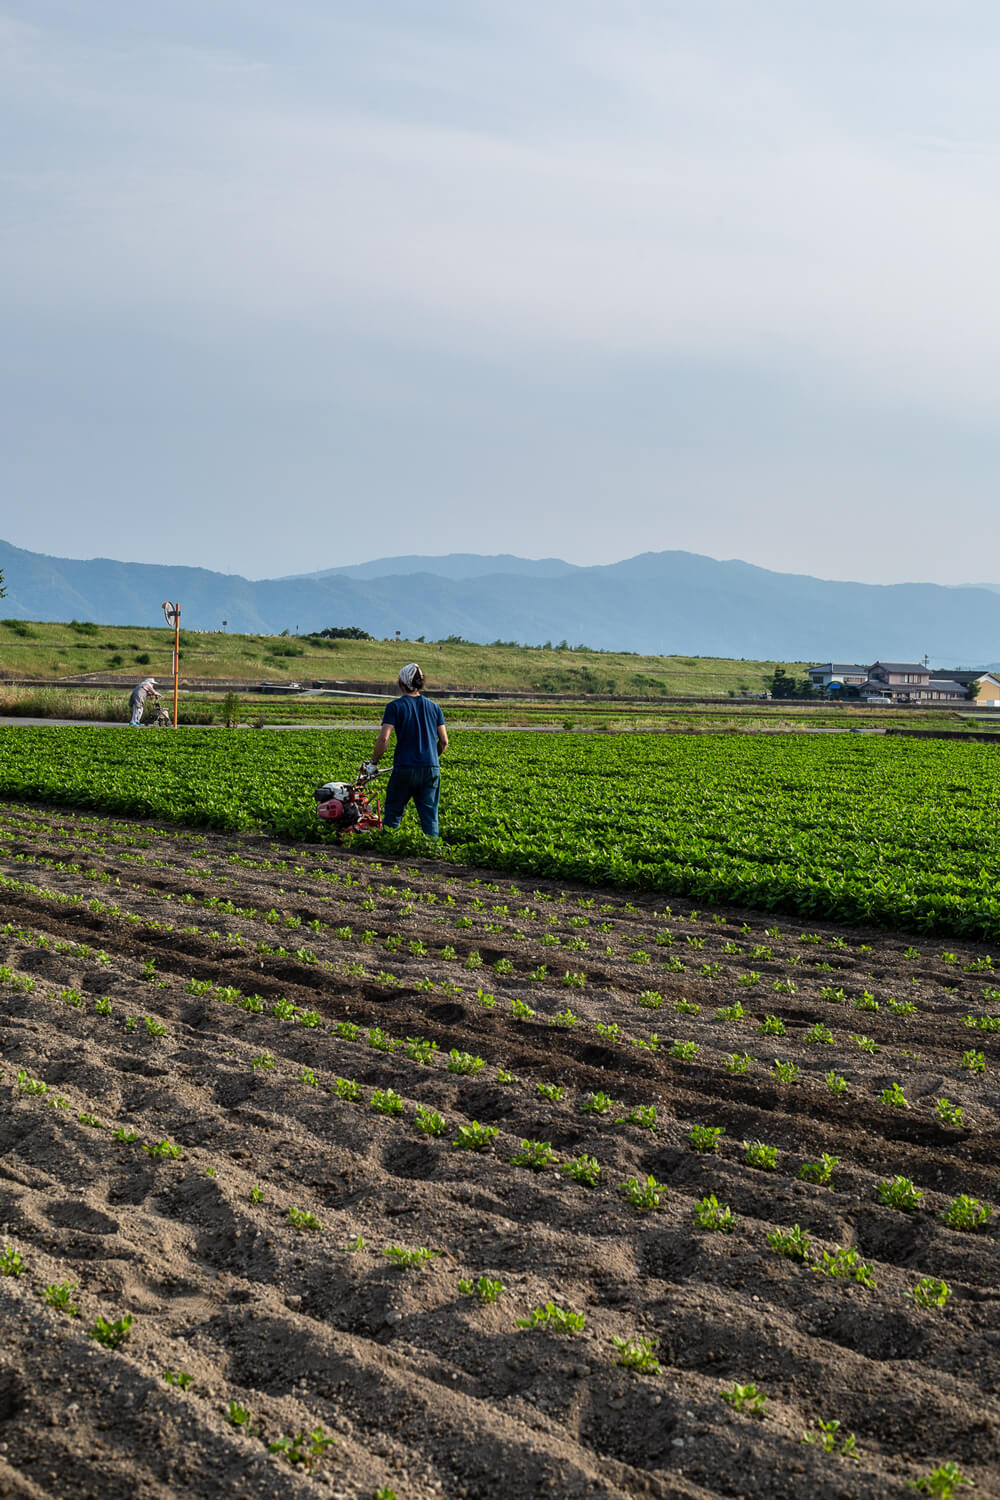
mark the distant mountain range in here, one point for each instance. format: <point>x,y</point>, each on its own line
<point>659,602</point>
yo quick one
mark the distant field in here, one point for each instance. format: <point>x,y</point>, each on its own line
<point>54,651</point>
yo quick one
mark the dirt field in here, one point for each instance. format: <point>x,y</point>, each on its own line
<point>177,1058</point>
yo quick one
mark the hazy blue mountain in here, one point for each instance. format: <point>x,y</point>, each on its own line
<point>454,565</point>
<point>664,602</point>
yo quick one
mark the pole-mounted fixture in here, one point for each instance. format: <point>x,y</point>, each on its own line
<point>172,615</point>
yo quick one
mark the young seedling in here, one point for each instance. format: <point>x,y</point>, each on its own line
<point>864,1043</point>
<point>772,1026</point>
<point>830,1440</point>
<point>429,1121</point>
<point>948,1113</point>
<point>643,1115</point>
<point>685,1051</point>
<point>687,1008</point>
<point>464,1063</point>
<point>737,1064</point>
<point>582,1169</point>
<point>836,1082</point>
<point>180,1378</point>
<point>645,1196</point>
<point>745,1398</point>
<point>636,1354</point>
<point>966,1213</point>
<point>942,1481</point>
<point>894,1097</point>
<point>387,1102</point>
<point>345,1029</point>
<point>346,1088</point>
<point>256,1195</point>
<point>599,1104</point>
<point>124,1136</point>
<point>764,1158</point>
<point>901,1193</point>
<point>303,1219</point>
<point>847,1265</point>
<point>793,1243</point>
<point>237,1415</point>
<point>307,1076</point>
<point>407,1259</point>
<point>929,1292</point>
<point>554,1319</point>
<point>164,1149</point>
<point>306,1448</point>
<point>60,1295</point>
<point>474,1137</point>
<point>110,1335</point>
<point>536,1155</point>
<point>711,1214</point>
<point>734,1012</point>
<point>565,1018</point>
<point>485,1289</point>
<point>551,1091</point>
<point>706,1138</point>
<point>263,1062</point>
<point>785,1072</point>
<point>783,987</point>
<point>651,1000</point>
<point>866,1001</point>
<point>902,1007</point>
<point>973,1061</point>
<point>835,996</point>
<point>819,1172</point>
<point>819,1033</point>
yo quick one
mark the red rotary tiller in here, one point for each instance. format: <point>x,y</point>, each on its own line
<point>345,806</point>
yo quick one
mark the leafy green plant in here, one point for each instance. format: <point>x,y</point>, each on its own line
<point>551,1091</point>
<point>793,1243</point>
<point>583,1168</point>
<point>942,1481</point>
<point>521,1011</point>
<point>464,1063</point>
<point>785,1072</point>
<point>179,1378</point>
<point>764,1158</point>
<point>237,1415</point>
<point>11,1262</point>
<point>686,1008</point>
<point>866,1001</point>
<point>836,1082</point>
<point>706,1138</point>
<point>902,1007</point>
<point>901,1193</point>
<point>846,1264</point>
<point>734,1012</point>
<point>636,1354</point>
<point>485,1289</point>
<point>263,1062</point>
<point>749,979</point>
<point>643,1115</point>
<point>894,1097</point>
<point>819,1033</point>
<point>711,1214</point>
<point>647,1196</point>
<point>554,1319</point>
<point>536,1155</point>
<point>966,1213</point>
<point>651,1000</point>
<point>685,1051</point>
<point>429,1121</point>
<point>973,1061</point>
<point>929,1292</point>
<point>256,1195</point>
<point>386,1102</point>
<point>819,1172</point>
<point>475,1137</point>
<point>864,1043</point>
<point>165,1149</point>
<point>305,1449</point>
<point>737,1064</point>
<point>948,1113</point>
<point>303,1219</point>
<point>745,1398</point>
<point>110,1334</point>
<point>60,1295</point>
<point>772,1026</point>
<point>346,1088</point>
<point>830,1440</point>
<point>407,1259</point>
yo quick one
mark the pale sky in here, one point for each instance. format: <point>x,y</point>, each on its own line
<point>289,285</point>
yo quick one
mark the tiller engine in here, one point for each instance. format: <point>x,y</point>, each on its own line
<point>345,806</point>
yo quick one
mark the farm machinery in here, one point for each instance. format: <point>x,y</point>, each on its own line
<point>345,805</point>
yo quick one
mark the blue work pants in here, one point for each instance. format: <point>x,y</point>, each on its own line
<point>423,785</point>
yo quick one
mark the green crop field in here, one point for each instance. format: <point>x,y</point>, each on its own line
<point>894,832</point>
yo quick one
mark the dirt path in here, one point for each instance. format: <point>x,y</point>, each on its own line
<point>292,1020</point>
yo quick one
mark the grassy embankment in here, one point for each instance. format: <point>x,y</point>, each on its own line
<point>57,651</point>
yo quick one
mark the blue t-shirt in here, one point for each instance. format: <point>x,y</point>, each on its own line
<point>415,721</point>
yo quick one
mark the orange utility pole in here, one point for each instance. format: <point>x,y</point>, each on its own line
<point>172,614</point>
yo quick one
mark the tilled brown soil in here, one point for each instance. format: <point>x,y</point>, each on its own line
<point>227,997</point>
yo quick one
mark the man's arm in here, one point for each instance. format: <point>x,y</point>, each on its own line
<point>442,737</point>
<point>381,743</point>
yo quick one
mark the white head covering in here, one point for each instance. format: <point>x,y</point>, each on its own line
<point>149,682</point>
<point>408,673</point>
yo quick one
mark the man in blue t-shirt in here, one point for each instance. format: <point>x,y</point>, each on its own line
<point>420,735</point>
